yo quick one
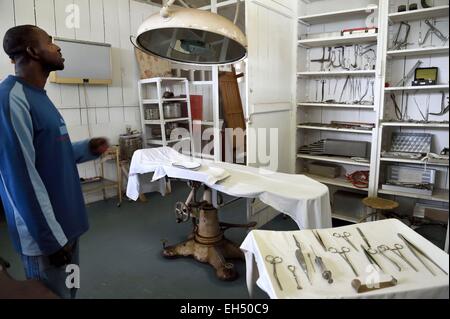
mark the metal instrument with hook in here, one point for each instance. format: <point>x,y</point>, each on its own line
<point>343,253</point>
<point>345,235</point>
<point>274,260</point>
<point>444,109</point>
<point>435,31</point>
<point>292,269</point>
<point>397,250</point>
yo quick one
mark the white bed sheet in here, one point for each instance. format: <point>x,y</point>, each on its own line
<point>306,201</point>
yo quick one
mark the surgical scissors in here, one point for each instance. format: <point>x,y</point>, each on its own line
<point>397,250</point>
<point>345,236</point>
<point>274,261</point>
<point>343,254</point>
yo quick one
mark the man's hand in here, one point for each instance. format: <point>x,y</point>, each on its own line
<point>62,257</point>
<point>98,146</point>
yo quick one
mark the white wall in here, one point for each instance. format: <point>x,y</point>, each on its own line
<point>111,108</point>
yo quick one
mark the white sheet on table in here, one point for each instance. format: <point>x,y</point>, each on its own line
<point>306,201</point>
<point>159,161</point>
<point>411,284</point>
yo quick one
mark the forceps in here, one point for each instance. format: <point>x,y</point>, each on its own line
<point>274,261</point>
<point>345,236</point>
<point>396,250</point>
<point>375,251</point>
<point>292,270</point>
<point>343,254</point>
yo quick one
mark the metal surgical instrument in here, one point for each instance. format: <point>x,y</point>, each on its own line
<point>444,109</point>
<point>343,254</point>
<point>398,44</point>
<point>274,261</point>
<point>363,237</point>
<point>415,250</point>
<point>397,250</point>
<point>435,31</point>
<point>345,235</point>
<point>374,252</point>
<point>319,239</point>
<point>301,259</point>
<point>370,258</point>
<point>326,274</point>
<point>292,270</point>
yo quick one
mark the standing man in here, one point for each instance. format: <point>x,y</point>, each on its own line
<point>39,182</point>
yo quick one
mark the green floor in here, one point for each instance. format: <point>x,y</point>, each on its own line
<point>121,253</point>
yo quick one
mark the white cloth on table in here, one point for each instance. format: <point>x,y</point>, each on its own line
<point>411,284</point>
<point>159,161</point>
<point>306,201</point>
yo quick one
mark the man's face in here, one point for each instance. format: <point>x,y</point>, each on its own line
<point>48,52</point>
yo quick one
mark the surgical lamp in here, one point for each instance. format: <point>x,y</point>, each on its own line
<point>192,36</point>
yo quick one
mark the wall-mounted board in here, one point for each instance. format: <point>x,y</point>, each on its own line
<point>86,62</point>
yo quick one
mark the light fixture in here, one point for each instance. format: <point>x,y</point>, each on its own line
<point>192,36</point>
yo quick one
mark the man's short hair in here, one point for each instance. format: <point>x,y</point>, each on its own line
<point>18,39</point>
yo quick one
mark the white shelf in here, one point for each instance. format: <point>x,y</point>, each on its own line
<point>337,215</point>
<point>180,119</point>
<point>339,181</point>
<point>339,40</point>
<point>150,101</point>
<point>439,195</point>
<point>420,14</point>
<point>418,88</point>
<point>349,106</point>
<point>156,101</point>
<point>337,73</point>
<point>418,52</point>
<point>205,123</point>
<point>162,79</point>
<point>409,161</point>
<point>418,125</point>
<point>323,128</point>
<point>332,159</point>
<point>160,142</point>
<point>342,14</point>
<point>201,82</point>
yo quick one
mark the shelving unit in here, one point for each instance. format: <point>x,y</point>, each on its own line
<point>151,96</point>
<point>411,99</point>
<point>366,84</point>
